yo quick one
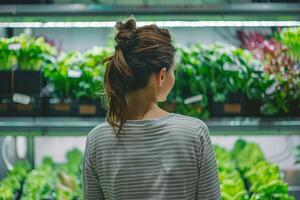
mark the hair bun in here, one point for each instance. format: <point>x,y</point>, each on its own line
<point>129,25</point>
<point>124,37</point>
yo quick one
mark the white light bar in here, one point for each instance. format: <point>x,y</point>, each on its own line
<point>226,23</point>
<point>96,24</point>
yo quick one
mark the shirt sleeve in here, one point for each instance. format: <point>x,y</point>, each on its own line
<point>91,185</point>
<point>208,180</point>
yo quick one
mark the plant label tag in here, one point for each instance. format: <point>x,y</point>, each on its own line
<point>72,73</point>
<point>193,99</point>
<point>15,46</point>
<point>62,107</point>
<point>3,107</point>
<point>24,108</point>
<point>21,98</point>
<point>230,67</point>
<point>232,108</point>
<point>87,109</point>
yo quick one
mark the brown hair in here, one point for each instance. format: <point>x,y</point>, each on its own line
<point>139,52</point>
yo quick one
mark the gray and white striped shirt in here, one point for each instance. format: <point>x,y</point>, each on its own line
<point>170,157</point>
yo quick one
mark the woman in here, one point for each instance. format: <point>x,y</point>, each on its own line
<point>142,152</point>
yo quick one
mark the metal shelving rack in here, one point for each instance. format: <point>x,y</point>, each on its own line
<point>184,11</point>
<point>69,126</point>
<point>32,127</point>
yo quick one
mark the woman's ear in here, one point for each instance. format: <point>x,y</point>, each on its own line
<point>161,76</point>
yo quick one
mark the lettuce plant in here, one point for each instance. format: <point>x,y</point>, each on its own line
<point>33,53</point>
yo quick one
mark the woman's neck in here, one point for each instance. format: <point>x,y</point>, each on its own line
<point>143,105</point>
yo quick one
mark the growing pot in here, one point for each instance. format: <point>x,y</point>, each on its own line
<point>88,108</point>
<point>234,105</point>
<point>74,108</point>
<point>5,83</point>
<point>10,108</point>
<point>251,107</point>
<point>294,108</point>
<point>5,106</point>
<point>58,107</point>
<point>31,109</point>
<point>27,82</point>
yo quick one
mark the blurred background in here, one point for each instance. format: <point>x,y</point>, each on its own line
<point>238,71</point>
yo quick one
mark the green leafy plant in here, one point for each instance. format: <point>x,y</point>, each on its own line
<point>250,73</point>
<point>7,54</point>
<point>69,174</point>
<point>248,156</point>
<point>93,72</point>
<point>12,182</point>
<point>266,182</point>
<point>77,75</point>
<point>40,182</point>
<point>58,74</point>
<point>221,71</point>
<point>280,79</point>
<point>232,185</point>
<point>33,53</point>
<point>263,177</point>
<point>213,71</point>
<point>68,187</point>
<point>55,181</point>
<point>188,84</point>
<point>290,37</point>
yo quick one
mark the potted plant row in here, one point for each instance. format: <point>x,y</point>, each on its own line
<point>261,80</point>
<point>211,81</point>
<point>7,60</point>
<point>21,61</point>
<point>280,58</point>
<point>218,81</point>
<point>75,83</point>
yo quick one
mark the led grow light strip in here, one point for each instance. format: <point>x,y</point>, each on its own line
<point>96,24</point>
<point>225,23</point>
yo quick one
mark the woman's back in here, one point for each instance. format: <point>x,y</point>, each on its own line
<point>164,158</point>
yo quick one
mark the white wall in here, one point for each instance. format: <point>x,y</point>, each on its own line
<point>85,38</point>
<point>73,38</point>
<point>56,147</point>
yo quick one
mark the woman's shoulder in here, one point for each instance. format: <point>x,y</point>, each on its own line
<point>190,120</point>
<point>196,124</point>
<point>97,129</point>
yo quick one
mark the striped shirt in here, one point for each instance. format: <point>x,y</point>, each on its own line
<point>170,157</point>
